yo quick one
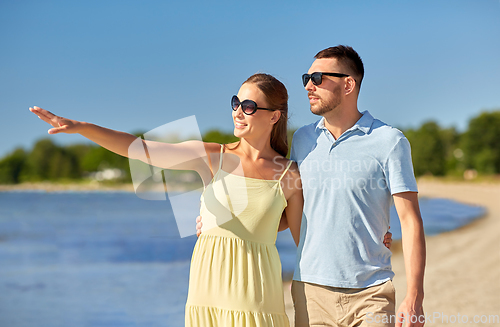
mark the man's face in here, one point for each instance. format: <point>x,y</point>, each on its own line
<point>328,95</point>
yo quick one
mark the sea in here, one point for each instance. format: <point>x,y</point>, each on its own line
<point>113,259</point>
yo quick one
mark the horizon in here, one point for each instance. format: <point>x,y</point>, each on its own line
<point>83,140</point>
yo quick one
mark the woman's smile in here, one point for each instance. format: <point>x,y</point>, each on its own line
<point>239,125</point>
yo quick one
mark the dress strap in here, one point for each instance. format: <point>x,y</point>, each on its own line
<point>286,169</point>
<point>221,154</point>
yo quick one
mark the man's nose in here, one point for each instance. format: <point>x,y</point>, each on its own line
<point>310,86</point>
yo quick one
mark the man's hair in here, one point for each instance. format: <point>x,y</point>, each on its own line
<point>347,57</point>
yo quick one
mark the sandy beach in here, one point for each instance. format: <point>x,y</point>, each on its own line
<point>462,277</point>
<point>70,186</point>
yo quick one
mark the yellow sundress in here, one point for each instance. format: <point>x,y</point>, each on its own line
<point>235,276</point>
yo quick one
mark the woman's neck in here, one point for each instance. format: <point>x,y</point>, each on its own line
<point>256,148</point>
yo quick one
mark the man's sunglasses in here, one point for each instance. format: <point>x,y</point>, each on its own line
<point>248,107</point>
<point>316,78</point>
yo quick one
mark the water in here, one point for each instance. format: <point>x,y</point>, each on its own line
<point>112,259</point>
<point>440,215</point>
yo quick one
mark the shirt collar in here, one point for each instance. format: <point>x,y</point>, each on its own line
<point>321,124</point>
<point>364,124</point>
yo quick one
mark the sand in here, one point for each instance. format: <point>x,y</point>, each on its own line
<point>462,277</point>
<point>69,186</point>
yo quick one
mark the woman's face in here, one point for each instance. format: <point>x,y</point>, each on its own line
<point>258,124</point>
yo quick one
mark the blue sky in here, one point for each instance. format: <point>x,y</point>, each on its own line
<point>131,65</point>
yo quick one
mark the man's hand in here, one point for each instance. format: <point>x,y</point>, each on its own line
<point>411,312</point>
<point>199,224</point>
<point>388,239</point>
<point>413,242</point>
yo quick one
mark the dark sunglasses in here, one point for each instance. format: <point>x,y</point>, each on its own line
<point>316,78</point>
<point>248,107</point>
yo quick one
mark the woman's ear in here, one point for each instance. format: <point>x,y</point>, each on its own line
<point>275,117</point>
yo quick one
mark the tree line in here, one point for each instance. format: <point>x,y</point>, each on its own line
<point>435,151</point>
<point>444,151</point>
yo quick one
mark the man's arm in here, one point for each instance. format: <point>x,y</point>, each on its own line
<point>414,256</point>
<point>283,222</point>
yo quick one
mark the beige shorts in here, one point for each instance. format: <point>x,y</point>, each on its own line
<point>317,305</point>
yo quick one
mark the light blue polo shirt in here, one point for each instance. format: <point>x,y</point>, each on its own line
<point>348,185</point>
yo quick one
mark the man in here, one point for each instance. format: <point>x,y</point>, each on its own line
<point>352,166</point>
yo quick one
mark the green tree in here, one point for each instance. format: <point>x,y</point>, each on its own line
<point>289,137</point>
<point>63,165</point>
<point>47,161</point>
<point>481,143</point>
<point>98,158</point>
<point>37,166</point>
<point>11,166</point>
<point>427,149</point>
<point>217,136</point>
<point>453,153</point>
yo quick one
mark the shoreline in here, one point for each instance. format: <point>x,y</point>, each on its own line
<point>86,185</point>
<point>69,186</point>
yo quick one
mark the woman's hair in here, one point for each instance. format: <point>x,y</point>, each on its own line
<point>277,98</point>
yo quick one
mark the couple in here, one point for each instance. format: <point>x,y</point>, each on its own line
<point>351,167</point>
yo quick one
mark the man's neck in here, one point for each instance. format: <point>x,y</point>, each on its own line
<point>339,121</point>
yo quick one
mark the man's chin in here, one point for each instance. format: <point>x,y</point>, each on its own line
<point>319,111</point>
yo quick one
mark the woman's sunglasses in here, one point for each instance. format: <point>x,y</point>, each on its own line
<point>317,78</point>
<point>248,107</point>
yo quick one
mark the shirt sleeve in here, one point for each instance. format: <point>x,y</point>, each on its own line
<point>293,150</point>
<point>398,168</point>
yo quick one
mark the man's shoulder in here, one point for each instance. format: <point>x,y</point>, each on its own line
<point>386,132</point>
<point>306,134</point>
<point>303,140</point>
<point>307,129</point>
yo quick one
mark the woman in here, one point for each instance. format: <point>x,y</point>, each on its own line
<point>235,277</point>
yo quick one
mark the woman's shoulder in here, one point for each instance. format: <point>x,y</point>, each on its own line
<point>290,181</point>
<point>293,169</point>
<point>212,147</point>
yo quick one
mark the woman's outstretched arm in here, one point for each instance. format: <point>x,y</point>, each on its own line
<point>184,155</point>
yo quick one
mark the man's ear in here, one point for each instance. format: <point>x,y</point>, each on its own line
<point>350,85</point>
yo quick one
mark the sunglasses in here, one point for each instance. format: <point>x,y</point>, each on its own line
<point>248,107</point>
<point>317,78</point>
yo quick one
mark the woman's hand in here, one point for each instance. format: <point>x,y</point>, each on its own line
<point>60,124</point>
<point>388,239</point>
<point>199,225</point>
<point>187,155</point>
